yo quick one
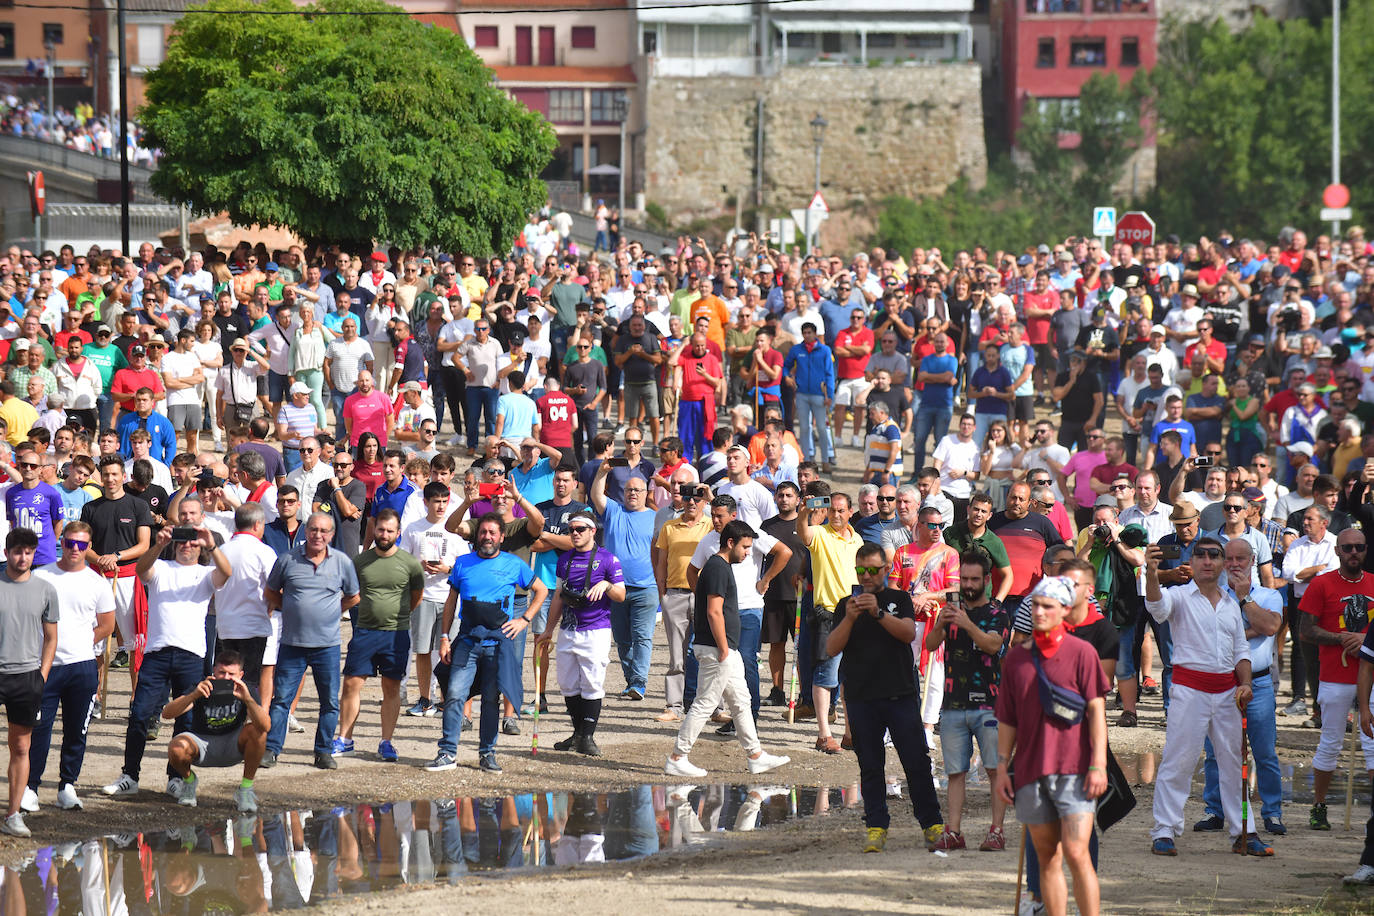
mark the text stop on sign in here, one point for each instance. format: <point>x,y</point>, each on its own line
<point>1135,228</point>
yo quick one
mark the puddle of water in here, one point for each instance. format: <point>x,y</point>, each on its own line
<point>292,859</point>
<point>1296,780</point>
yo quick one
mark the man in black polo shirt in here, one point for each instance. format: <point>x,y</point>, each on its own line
<point>122,529</point>
<point>780,601</point>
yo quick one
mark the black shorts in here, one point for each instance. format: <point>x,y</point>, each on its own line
<point>1023,408</point>
<point>22,697</point>
<point>1043,357</point>
<point>779,621</point>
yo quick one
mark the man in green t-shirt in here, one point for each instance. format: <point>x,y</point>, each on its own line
<point>974,533</point>
<point>390,585</point>
<point>108,360</point>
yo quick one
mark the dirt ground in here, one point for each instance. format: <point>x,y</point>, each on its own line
<point>808,865</point>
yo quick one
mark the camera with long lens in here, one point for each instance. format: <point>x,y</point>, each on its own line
<point>574,599</point>
<point>1102,533</point>
<point>1290,316</point>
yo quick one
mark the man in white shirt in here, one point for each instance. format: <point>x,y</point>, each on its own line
<point>957,459</point>
<point>306,479</point>
<point>1044,453</point>
<point>241,619</point>
<point>86,618</point>
<point>436,548</point>
<point>195,279</point>
<point>182,374</point>
<point>1180,324</point>
<point>1148,512</point>
<point>179,594</point>
<point>755,502</point>
<point>1211,689</point>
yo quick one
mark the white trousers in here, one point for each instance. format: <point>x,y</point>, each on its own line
<point>1336,701</point>
<point>717,681</point>
<point>124,611</point>
<point>1194,716</point>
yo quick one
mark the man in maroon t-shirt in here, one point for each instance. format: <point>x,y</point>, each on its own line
<point>1057,771</point>
<point>557,416</point>
<point>1104,474</point>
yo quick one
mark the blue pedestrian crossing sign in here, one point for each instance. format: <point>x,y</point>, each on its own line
<point>1104,221</point>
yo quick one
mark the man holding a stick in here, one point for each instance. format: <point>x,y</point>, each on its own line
<point>1335,618</point>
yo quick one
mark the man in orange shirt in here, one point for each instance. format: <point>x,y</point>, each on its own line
<point>712,307</point>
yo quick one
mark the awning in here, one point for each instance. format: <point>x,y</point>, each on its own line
<point>870,26</point>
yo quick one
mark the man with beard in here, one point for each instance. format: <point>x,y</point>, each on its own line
<point>487,581</point>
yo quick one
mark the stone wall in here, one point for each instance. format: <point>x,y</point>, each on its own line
<point>909,130</point>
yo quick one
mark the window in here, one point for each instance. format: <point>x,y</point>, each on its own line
<point>486,36</point>
<point>1088,52</point>
<point>6,41</point>
<point>681,41</point>
<point>584,36</point>
<point>1130,52</point>
<point>603,106</point>
<point>801,39</point>
<point>831,42</point>
<point>533,99</point>
<point>650,41</point>
<point>1057,110</point>
<point>723,41</point>
<point>150,46</point>
<point>924,41</point>
<point>565,106</point>
<point>1044,52</point>
<point>52,32</point>
<point>882,40</point>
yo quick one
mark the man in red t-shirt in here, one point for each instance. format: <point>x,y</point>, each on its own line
<point>1215,349</point>
<point>1335,616</point>
<point>136,375</point>
<point>1104,475</point>
<point>853,348</point>
<point>700,380</point>
<point>557,416</point>
<point>1041,304</point>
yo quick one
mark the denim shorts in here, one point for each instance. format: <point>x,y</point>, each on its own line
<point>827,673</point>
<point>1125,652</point>
<point>1050,798</point>
<point>958,729</point>
<point>373,652</point>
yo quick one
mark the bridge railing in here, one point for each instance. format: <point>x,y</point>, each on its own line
<point>53,155</point>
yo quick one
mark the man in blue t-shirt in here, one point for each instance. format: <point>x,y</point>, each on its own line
<point>1173,419</point>
<point>486,581</point>
<point>35,505</point>
<point>990,388</point>
<point>936,377</point>
<point>533,476</point>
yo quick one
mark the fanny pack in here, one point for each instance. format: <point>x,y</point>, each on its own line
<point>1061,704</point>
<point>489,614</point>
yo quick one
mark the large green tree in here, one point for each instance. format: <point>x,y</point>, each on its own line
<point>350,125</point>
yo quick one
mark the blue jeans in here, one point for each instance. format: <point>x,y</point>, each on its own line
<point>167,669</point>
<point>632,626</point>
<point>336,399</point>
<point>1245,447</point>
<point>291,458</point>
<point>809,407</point>
<point>469,659</point>
<point>480,399</point>
<point>104,406</point>
<point>928,420</point>
<point>981,422</point>
<point>1260,725</point>
<point>292,661</point>
<point>750,641</point>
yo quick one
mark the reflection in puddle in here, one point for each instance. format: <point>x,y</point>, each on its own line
<point>1297,779</point>
<point>292,859</point>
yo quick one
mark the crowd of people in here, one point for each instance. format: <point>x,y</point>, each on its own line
<point>248,446</point>
<point>78,128</point>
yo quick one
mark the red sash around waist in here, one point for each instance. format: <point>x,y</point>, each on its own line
<point>1204,681</point>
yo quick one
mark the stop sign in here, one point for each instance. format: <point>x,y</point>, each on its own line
<point>1336,196</point>
<point>1135,228</point>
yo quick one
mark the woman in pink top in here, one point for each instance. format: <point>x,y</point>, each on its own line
<point>367,410</point>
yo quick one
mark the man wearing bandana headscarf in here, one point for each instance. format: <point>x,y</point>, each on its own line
<point>1057,770</point>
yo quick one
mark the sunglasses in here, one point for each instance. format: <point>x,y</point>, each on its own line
<point>887,499</point>
<point>1233,508</point>
<point>1207,553</point>
<point>73,544</point>
<point>868,570</point>
<point>1351,548</point>
<point>1120,486</point>
<point>28,464</point>
<point>633,441</point>
<point>580,529</point>
<point>933,526</point>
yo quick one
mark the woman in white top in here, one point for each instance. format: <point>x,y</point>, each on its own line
<point>211,355</point>
<point>996,458</point>
<point>379,332</point>
<point>308,346</point>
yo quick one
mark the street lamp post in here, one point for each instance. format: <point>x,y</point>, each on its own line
<point>1335,107</point>
<point>818,126</point>
<point>622,114</point>
<point>51,48</point>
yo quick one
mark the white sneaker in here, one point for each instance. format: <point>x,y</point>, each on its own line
<point>174,786</point>
<point>67,799</point>
<point>1363,875</point>
<point>30,800</point>
<point>293,724</point>
<point>1031,907</point>
<point>766,761</point>
<point>858,441</point>
<point>123,787</point>
<point>684,768</point>
<point>188,793</point>
<point>246,800</point>
<point>454,440</point>
<point>894,790</point>
<point>14,825</point>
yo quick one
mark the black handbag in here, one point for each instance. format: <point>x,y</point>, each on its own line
<point>1118,800</point>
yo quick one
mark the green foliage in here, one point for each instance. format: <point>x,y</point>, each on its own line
<point>343,128</point>
<point>1245,122</point>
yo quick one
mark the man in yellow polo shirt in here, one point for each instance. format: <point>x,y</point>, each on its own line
<point>833,547</point>
<point>19,415</point>
<point>672,554</point>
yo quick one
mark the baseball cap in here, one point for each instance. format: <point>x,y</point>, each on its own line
<point>1255,340</point>
<point>1158,329</point>
<point>1099,312</point>
<point>1043,249</point>
<point>271,267</point>
<point>1105,500</point>
<point>300,388</point>
<point>1024,260</point>
<point>137,350</point>
<point>103,329</point>
<point>1065,256</point>
<point>765,268</point>
<point>21,343</point>
<point>1253,494</point>
<point>410,386</point>
<point>1131,282</point>
<point>1324,353</point>
<point>239,344</point>
<point>1304,448</point>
